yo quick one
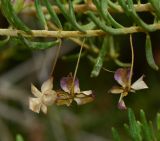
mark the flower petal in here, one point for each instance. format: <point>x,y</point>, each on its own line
<point>35,104</point>
<point>44,109</point>
<point>76,86</point>
<point>49,97</point>
<point>47,85</point>
<point>139,84</point>
<point>89,92</point>
<point>121,105</point>
<point>35,91</point>
<point>63,98</point>
<point>66,84</point>
<point>82,98</point>
<point>122,76</point>
<point>116,90</point>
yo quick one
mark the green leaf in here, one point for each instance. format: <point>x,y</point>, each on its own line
<point>158,121</point>
<point>126,127</point>
<point>115,135</point>
<point>73,18</point>
<point>5,41</point>
<point>11,16</point>
<point>149,54</point>
<point>102,7</point>
<point>91,59</point>
<point>156,5</point>
<point>121,64</point>
<point>91,25</point>
<point>62,9</point>
<point>158,126</point>
<point>100,59</point>
<point>106,15</point>
<point>19,138</point>
<point>38,45</point>
<point>134,127</point>
<point>40,14</point>
<point>53,14</point>
<point>143,130</point>
<point>99,8</point>
<point>145,127</point>
<point>130,11</point>
<point>70,16</point>
<point>152,131</point>
<point>125,8</point>
<point>104,27</point>
<point>112,5</point>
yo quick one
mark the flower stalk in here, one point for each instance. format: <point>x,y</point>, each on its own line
<point>132,60</point>
<point>75,72</point>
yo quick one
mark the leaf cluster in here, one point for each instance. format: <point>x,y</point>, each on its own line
<point>101,19</point>
<point>139,130</point>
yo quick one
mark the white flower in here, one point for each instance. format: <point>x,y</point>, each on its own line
<point>43,98</point>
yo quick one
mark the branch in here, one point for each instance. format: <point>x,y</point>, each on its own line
<point>56,34</point>
<point>75,40</point>
<point>67,34</point>
<point>82,8</point>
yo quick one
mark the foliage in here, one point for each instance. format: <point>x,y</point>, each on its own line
<point>104,21</point>
<point>139,130</point>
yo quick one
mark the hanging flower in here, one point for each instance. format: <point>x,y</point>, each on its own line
<point>43,98</point>
<point>72,92</point>
<point>122,76</point>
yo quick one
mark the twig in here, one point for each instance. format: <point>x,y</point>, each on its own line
<point>75,40</point>
<point>46,33</point>
<point>84,7</point>
<point>66,34</point>
<point>89,2</point>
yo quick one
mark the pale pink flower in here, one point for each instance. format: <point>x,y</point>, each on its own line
<point>122,77</point>
<point>69,94</point>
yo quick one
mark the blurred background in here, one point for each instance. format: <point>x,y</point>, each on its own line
<point>20,66</point>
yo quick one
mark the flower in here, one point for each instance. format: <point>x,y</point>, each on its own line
<point>43,98</point>
<point>122,76</point>
<point>72,92</point>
